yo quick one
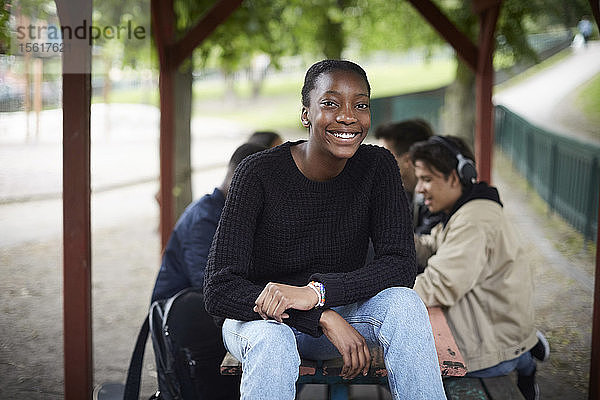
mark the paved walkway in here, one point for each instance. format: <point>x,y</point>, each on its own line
<point>539,98</point>
<point>124,167</point>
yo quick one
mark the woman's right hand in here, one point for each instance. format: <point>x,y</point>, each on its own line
<point>278,297</point>
<point>351,344</point>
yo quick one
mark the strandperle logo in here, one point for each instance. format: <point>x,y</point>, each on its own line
<point>52,33</point>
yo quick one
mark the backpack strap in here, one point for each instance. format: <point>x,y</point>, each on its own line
<point>132,386</point>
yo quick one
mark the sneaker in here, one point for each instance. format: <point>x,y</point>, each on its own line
<point>541,350</point>
<point>528,387</point>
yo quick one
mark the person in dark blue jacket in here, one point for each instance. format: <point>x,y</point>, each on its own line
<point>182,267</point>
<point>184,259</point>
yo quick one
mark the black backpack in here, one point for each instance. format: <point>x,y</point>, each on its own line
<point>176,366</point>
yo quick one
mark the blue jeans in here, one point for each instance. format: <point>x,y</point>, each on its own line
<point>395,319</point>
<point>525,365</point>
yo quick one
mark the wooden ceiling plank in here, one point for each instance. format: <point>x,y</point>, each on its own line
<point>463,46</point>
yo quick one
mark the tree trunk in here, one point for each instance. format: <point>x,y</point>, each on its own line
<point>458,113</point>
<point>182,190</point>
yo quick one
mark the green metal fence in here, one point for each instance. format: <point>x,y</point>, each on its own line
<point>564,171</point>
<point>426,105</point>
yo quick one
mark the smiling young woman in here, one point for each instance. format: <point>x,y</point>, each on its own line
<point>338,118</point>
<point>287,266</point>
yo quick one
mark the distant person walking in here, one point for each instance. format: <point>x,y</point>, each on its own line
<point>585,28</point>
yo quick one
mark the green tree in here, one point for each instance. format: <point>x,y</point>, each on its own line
<point>253,29</point>
<point>384,24</point>
<point>517,20</point>
<point>379,25</point>
<point>5,8</point>
<point>123,50</point>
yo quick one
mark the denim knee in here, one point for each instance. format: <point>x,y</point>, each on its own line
<point>272,334</point>
<point>271,339</point>
<point>401,302</point>
<point>269,356</point>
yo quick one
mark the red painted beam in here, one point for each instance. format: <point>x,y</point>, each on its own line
<point>463,46</point>
<point>484,81</point>
<point>209,22</point>
<point>479,58</point>
<point>77,302</point>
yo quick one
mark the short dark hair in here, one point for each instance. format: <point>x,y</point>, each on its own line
<point>436,155</point>
<point>242,152</point>
<point>404,134</point>
<point>326,66</point>
<point>264,138</point>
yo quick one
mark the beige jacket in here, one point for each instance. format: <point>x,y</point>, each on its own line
<point>477,271</point>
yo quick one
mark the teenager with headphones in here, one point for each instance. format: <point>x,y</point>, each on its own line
<point>476,266</point>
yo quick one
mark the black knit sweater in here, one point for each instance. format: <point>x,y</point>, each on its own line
<point>279,226</point>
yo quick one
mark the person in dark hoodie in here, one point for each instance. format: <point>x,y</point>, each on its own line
<point>476,267</point>
<point>182,269</point>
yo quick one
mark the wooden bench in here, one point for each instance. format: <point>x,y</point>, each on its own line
<point>497,388</point>
<point>327,372</point>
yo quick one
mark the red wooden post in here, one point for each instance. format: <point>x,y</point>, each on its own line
<point>163,20</point>
<point>77,267</point>
<point>594,388</point>
<point>479,58</point>
<point>171,54</point>
<point>167,152</point>
<point>77,89</point>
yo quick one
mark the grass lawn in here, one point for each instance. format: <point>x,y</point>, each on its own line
<point>588,99</point>
<point>385,78</point>
<point>529,72</point>
<point>278,106</point>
